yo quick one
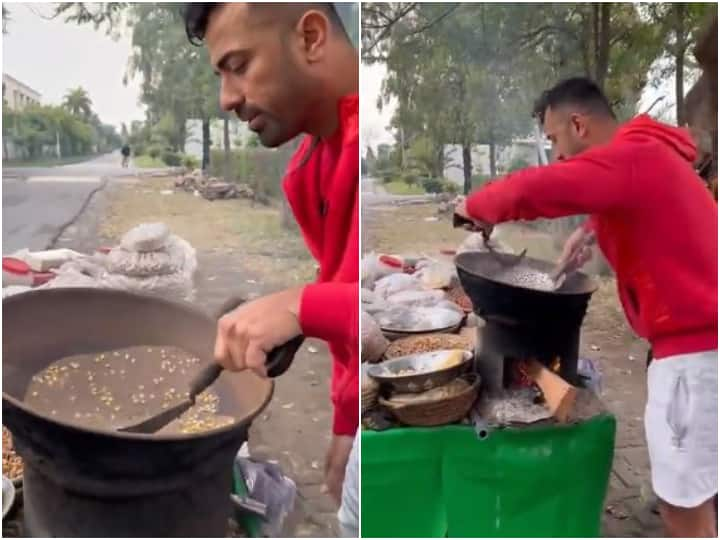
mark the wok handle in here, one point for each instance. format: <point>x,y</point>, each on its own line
<point>279,359</point>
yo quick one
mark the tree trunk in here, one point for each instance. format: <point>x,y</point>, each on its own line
<point>205,144</point>
<point>599,42</point>
<point>595,38</point>
<point>227,166</point>
<point>467,168</point>
<point>440,161</point>
<point>183,134</point>
<point>603,52</point>
<point>6,150</point>
<point>493,164</point>
<point>680,47</point>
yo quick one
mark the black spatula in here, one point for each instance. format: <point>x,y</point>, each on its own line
<point>278,361</point>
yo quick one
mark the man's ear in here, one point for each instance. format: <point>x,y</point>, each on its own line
<point>579,124</point>
<point>313,28</point>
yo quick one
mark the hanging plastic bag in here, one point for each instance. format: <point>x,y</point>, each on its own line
<point>396,283</point>
<point>145,237</point>
<point>267,484</point>
<point>414,298</point>
<point>437,275</point>
<point>142,264</point>
<point>590,374</point>
<point>475,242</point>
<point>374,266</point>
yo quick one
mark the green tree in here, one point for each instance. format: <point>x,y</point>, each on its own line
<point>176,76</point>
<point>468,74</point>
<point>34,131</point>
<point>452,84</point>
<point>78,102</point>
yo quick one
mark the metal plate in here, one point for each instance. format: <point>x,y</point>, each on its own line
<point>8,495</point>
<point>426,374</point>
<point>437,319</point>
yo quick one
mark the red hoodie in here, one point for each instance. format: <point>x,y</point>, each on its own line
<point>321,185</point>
<point>654,221</point>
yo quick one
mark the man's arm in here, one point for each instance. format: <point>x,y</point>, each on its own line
<point>596,181</point>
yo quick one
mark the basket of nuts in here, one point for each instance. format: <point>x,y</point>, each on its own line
<point>442,405</point>
<point>369,389</point>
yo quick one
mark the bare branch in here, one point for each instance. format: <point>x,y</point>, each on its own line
<point>388,27</point>
<point>433,22</point>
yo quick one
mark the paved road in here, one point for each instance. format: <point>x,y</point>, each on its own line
<point>105,165</point>
<point>39,202</point>
<point>374,194</point>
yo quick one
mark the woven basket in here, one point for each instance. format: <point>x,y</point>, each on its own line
<point>437,412</point>
<point>369,390</point>
<point>368,398</point>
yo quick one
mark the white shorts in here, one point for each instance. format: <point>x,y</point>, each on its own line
<point>681,427</point>
<point>348,515</point>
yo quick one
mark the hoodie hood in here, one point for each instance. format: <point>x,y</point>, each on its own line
<point>644,127</point>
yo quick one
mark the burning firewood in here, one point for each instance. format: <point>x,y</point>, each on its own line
<point>559,395</point>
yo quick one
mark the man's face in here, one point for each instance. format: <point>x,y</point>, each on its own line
<point>264,76</point>
<point>567,131</point>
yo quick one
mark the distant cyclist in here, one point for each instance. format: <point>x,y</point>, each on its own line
<point>125,151</point>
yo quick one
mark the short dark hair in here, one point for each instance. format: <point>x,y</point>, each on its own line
<point>578,91</point>
<point>197,15</point>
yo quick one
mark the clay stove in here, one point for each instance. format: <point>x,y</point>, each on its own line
<point>502,344</point>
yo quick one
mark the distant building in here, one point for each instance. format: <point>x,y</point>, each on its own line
<point>17,95</point>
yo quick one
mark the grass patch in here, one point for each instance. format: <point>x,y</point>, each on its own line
<point>147,162</point>
<point>255,234</point>
<point>398,187</point>
<point>47,161</point>
<point>404,229</point>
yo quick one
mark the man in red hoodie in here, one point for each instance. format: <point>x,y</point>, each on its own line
<point>657,226</point>
<point>289,69</point>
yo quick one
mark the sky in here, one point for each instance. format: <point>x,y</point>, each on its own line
<point>374,129</point>
<point>52,57</point>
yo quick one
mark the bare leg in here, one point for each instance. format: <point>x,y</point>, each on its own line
<point>698,522</point>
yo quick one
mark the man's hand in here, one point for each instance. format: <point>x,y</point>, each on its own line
<point>335,463</point>
<point>474,225</point>
<point>248,333</point>
<point>577,250</point>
